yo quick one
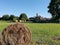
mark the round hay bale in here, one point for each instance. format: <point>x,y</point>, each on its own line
<point>16,34</point>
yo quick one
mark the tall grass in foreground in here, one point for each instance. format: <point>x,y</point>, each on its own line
<point>4,24</point>
<point>44,33</point>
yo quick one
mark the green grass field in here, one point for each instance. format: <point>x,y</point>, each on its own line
<point>42,33</point>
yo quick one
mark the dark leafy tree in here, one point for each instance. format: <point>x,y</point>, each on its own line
<point>11,17</point>
<point>54,9</point>
<point>5,17</point>
<point>23,16</point>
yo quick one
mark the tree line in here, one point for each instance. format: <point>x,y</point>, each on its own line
<point>6,17</point>
<point>24,17</point>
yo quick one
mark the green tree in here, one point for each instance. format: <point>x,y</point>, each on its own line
<point>11,17</point>
<point>23,16</point>
<point>5,17</point>
<point>54,9</point>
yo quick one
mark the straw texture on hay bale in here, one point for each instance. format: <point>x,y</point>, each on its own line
<point>16,34</point>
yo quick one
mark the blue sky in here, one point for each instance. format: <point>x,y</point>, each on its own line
<point>30,7</point>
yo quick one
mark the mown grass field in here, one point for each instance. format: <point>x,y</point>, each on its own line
<point>42,33</point>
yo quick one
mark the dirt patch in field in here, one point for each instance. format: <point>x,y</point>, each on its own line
<point>56,38</point>
<point>16,34</point>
